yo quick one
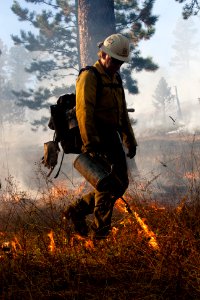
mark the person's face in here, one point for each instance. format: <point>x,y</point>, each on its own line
<point>112,65</point>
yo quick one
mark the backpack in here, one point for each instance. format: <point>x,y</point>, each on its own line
<point>63,118</point>
<point>63,122</point>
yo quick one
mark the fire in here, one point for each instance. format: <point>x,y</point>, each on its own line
<point>58,191</point>
<point>115,230</point>
<point>52,246</point>
<point>87,243</point>
<point>16,243</point>
<point>181,204</point>
<point>82,188</point>
<point>192,175</point>
<point>13,197</point>
<point>61,190</point>
<point>121,205</point>
<point>150,234</point>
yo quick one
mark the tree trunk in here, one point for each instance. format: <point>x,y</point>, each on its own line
<point>96,21</point>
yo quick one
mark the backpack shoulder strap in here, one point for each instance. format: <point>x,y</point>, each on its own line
<point>100,85</point>
<point>119,79</point>
<point>98,77</point>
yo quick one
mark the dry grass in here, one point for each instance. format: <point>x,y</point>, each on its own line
<point>151,254</point>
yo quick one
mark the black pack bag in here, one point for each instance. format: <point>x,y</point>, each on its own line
<point>63,121</point>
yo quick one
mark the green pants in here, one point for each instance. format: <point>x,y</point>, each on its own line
<point>101,203</point>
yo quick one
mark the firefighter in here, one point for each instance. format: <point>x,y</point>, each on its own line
<point>104,125</point>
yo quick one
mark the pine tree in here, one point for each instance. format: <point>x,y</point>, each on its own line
<point>18,60</point>
<point>190,8</point>
<point>9,110</point>
<point>162,99</point>
<point>185,46</point>
<point>58,39</point>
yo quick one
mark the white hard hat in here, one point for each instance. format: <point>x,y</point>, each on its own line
<point>116,46</point>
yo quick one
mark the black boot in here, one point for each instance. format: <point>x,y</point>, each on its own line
<point>77,217</point>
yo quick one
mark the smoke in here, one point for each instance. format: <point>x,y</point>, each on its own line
<point>163,153</point>
<point>21,149</point>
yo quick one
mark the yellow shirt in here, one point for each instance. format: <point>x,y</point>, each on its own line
<point>108,110</point>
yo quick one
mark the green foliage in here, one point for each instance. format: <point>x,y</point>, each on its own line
<point>55,39</point>
<point>190,8</point>
<point>39,96</point>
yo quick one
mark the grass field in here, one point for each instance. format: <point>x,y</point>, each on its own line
<point>151,253</point>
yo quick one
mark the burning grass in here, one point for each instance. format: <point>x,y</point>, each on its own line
<point>152,252</point>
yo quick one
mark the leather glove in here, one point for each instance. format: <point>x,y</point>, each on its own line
<point>95,150</point>
<point>132,152</point>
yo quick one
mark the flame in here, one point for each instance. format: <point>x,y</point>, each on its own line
<point>114,230</point>
<point>52,246</point>
<point>16,243</point>
<point>121,206</point>
<point>89,244</point>
<point>155,207</point>
<point>125,222</point>
<point>82,188</point>
<point>58,191</point>
<point>150,234</point>
<point>14,197</point>
<point>79,237</point>
<point>192,175</point>
<point>181,204</point>
<point>114,233</point>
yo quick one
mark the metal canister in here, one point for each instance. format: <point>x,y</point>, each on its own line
<point>99,173</point>
<point>94,171</point>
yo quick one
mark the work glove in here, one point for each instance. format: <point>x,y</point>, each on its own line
<point>95,150</point>
<point>132,152</point>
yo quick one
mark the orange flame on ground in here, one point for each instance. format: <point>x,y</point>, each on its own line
<point>52,246</point>
<point>61,190</point>
<point>88,243</point>
<point>192,175</point>
<point>58,191</point>
<point>115,230</point>
<point>120,205</point>
<point>181,204</point>
<point>150,234</point>
<point>16,243</point>
<point>13,197</point>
